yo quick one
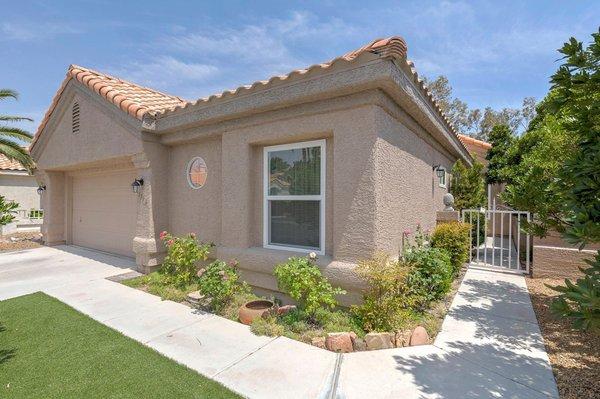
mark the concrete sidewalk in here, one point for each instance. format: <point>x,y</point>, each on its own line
<point>489,346</point>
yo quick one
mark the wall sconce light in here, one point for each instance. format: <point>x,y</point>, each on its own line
<point>440,172</point>
<point>136,185</point>
<point>41,189</point>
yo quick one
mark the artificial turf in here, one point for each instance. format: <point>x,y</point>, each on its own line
<point>50,350</point>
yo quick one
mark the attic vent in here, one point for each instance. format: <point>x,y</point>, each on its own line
<point>75,120</point>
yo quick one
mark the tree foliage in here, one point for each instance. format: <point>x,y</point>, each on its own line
<point>474,121</point>
<point>468,185</point>
<point>499,156</point>
<point>566,139</point>
<point>9,136</point>
<point>8,209</point>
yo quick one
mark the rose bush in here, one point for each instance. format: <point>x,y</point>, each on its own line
<point>182,255</point>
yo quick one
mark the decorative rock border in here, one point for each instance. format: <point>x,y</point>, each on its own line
<point>345,342</point>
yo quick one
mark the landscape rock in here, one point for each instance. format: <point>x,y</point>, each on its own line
<point>359,345</point>
<point>339,342</point>
<point>285,309</point>
<point>319,342</point>
<point>403,338</point>
<point>419,337</point>
<point>379,340</point>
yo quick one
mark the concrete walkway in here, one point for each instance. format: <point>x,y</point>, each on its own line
<point>490,344</point>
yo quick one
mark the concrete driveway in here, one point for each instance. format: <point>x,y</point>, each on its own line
<point>490,344</point>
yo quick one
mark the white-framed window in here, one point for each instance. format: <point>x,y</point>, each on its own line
<point>441,175</point>
<point>196,173</point>
<point>294,197</point>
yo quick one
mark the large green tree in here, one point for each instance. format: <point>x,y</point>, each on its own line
<point>468,185</point>
<point>10,135</point>
<point>499,156</point>
<point>575,100</point>
<point>474,121</point>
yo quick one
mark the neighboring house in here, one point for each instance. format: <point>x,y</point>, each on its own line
<point>477,148</point>
<point>339,158</point>
<point>16,184</point>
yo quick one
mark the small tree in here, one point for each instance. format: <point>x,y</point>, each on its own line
<point>468,186</point>
<point>8,209</point>
<point>501,138</point>
<point>577,87</point>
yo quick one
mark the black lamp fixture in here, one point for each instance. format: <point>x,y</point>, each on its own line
<point>136,185</point>
<point>41,189</point>
<point>439,171</point>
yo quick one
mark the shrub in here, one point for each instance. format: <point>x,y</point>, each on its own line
<point>182,255</point>
<point>430,278</point>
<point>219,281</point>
<point>301,279</point>
<point>454,238</point>
<point>386,293</point>
<point>267,326</point>
<point>580,301</point>
<point>8,209</point>
<point>336,321</point>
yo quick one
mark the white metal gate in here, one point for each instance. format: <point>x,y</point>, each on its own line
<point>497,240</point>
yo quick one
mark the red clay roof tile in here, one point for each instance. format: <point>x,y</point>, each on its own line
<point>8,164</point>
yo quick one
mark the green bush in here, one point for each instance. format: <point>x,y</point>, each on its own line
<point>454,238</point>
<point>8,209</point>
<point>182,255</point>
<point>301,279</point>
<point>219,281</point>
<point>267,326</point>
<point>386,293</point>
<point>430,278</point>
<point>580,301</point>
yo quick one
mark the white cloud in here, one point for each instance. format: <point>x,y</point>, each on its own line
<point>30,32</point>
<point>165,71</point>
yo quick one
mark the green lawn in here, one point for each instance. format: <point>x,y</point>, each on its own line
<point>49,350</point>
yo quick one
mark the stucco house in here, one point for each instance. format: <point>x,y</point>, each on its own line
<point>339,158</point>
<point>17,184</point>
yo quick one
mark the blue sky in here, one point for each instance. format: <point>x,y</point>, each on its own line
<point>494,53</point>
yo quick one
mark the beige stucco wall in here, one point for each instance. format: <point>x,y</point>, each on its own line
<point>407,187</point>
<point>102,135</point>
<point>195,210</point>
<point>20,188</point>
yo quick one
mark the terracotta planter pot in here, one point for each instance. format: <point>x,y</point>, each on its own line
<point>253,310</point>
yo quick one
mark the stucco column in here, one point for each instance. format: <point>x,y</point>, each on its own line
<point>236,191</point>
<point>152,215</point>
<point>53,204</point>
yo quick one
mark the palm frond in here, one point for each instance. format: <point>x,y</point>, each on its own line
<point>12,118</point>
<point>7,131</point>
<point>14,151</point>
<point>6,93</point>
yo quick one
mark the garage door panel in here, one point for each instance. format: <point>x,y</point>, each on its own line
<point>104,212</point>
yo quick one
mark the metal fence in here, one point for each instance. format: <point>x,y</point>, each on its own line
<point>498,240</point>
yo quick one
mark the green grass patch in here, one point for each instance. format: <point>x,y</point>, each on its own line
<point>159,284</point>
<point>50,350</point>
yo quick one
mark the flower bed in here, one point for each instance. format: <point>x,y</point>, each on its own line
<point>404,304</point>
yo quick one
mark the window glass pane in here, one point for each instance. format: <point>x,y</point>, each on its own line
<point>295,172</point>
<point>295,223</point>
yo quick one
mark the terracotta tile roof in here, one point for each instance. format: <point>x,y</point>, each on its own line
<point>136,100</point>
<point>8,164</point>
<point>390,47</point>
<point>474,142</point>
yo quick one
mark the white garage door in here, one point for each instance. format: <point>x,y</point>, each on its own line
<point>104,212</point>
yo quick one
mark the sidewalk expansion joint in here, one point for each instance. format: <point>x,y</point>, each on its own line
<point>242,358</point>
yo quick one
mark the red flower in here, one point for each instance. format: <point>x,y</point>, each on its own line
<point>406,232</point>
<point>170,242</point>
<point>163,234</point>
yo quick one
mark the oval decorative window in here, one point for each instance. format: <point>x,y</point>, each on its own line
<point>196,173</point>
